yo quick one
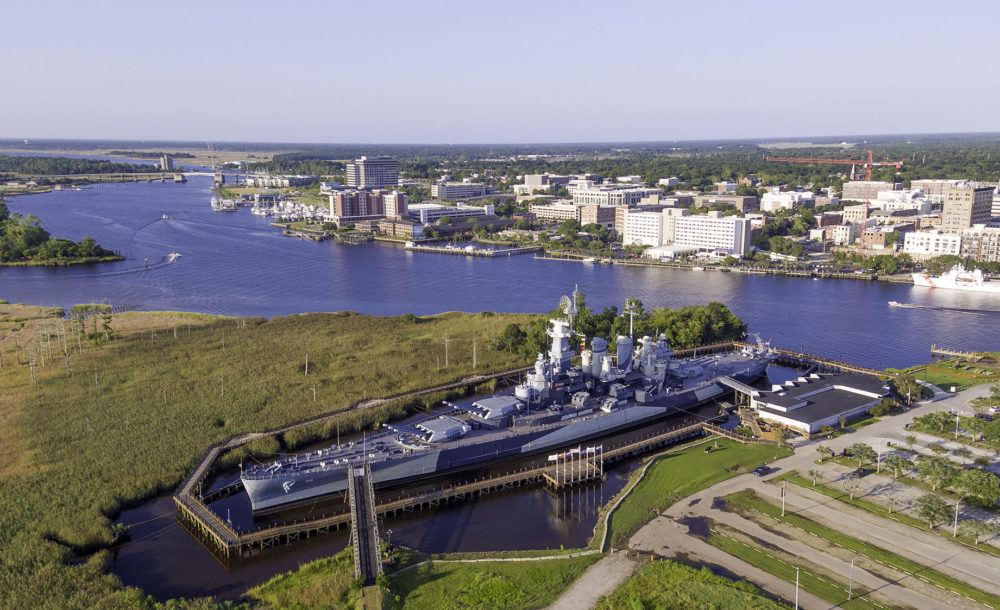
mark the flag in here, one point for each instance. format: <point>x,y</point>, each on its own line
<point>553,458</point>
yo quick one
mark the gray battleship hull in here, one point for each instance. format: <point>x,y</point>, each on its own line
<point>271,493</point>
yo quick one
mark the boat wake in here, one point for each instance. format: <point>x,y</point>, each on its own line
<point>972,312</point>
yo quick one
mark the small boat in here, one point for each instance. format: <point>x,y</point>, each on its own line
<point>173,256</point>
<point>590,260</point>
<point>697,268</point>
<point>165,217</point>
<point>894,304</point>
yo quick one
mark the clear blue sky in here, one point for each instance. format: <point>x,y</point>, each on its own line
<point>483,71</point>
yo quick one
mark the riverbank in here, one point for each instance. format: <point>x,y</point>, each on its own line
<point>64,262</point>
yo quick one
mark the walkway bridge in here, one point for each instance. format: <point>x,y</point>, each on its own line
<point>364,525</point>
<point>739,386</point>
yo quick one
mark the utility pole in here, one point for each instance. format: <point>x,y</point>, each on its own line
<point>314,392</point>
<point>850,587</point>
<point>446,340</point>
<point>473,353</point>
<point>796,588</point>
<point>784,488</point>
<point>954,531</point>
<point>307,364</point>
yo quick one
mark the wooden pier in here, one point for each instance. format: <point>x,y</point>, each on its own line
<point>227,542</point>
<point>941,351</point>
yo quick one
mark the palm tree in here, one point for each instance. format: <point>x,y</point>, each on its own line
<point>815,474</point>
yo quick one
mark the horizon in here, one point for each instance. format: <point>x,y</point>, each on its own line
<point>444,72</point>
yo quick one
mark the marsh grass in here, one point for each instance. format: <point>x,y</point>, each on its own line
<point>125,415</point>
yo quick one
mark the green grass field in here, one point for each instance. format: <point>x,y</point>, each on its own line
<point>523,584</point>
<point>666,584</point>
<point>324,583</point>
<point>676,475</point>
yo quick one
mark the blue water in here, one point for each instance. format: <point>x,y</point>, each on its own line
<point>237,264</point>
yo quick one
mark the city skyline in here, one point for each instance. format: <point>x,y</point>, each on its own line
<point>442,72</point>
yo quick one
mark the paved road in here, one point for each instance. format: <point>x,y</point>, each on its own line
<point>666,536</point>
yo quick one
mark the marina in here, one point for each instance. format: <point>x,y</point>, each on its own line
<point>471,250</point>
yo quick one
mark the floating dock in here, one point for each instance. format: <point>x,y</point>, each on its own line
<point>468,251</point>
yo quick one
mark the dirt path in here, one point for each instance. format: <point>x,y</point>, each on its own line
<point>600,579</point>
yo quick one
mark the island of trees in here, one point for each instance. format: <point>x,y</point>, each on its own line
<point>23,241</point>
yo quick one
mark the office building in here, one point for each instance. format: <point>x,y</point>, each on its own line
<point>457,190</point>
<point>863,190</point>
<point>775,200</point>
<point>603,215</point>
<point>964,207</point>
<point>432,212</point>
<point>612,194</point>
<point>395,205</point>
<point>373,172</point>
<point>928,244</point>
<point>743,203</point>
<point>713,232</point>
<point>934,190</point>
<point>981,243</point>
<point>556,212</point>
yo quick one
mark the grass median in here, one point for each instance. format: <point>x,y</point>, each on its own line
<point>749,500</point>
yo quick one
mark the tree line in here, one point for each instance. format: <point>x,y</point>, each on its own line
<point>22,238</point>
<point>57,166</point>
<point>689,326</point>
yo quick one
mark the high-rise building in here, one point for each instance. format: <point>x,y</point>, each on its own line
<point>863,190</point>
<point>166,162</point>
<point>395,204</point>
<point>981,243</point>
<point>966,207</point>
<point>457,190</point>
<point>935,189</point>
<point>373,172</point>
<point>713,232</point>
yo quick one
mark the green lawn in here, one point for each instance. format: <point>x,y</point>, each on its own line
<point>666,584</point>
<point>520,584</point>
<point>817,585</point>
<point>676,475</point>
<point>749,500</point>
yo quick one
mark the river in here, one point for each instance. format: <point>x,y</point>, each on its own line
<point>236,264</point>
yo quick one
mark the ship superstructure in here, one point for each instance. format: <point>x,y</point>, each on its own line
<point>957,278</point>
<point>557,405</point>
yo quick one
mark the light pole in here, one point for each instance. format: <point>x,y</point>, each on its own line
<point>850,587</point>
<point>796,588</point>
<point>878,467</point>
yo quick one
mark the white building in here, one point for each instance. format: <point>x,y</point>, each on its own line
<point>431,212</point>
<point>457,190</point>
<point>845,234</point>
<point>634,179</point>
<point>556,212</point>
<point>395,204</point>
<point>644,228</point>
<point>652,228</point>
<point>808,403</point>
<point>373,172</point>
<point>672,181</point>
<point>713,232</point>
<point>775,200</point>
<point>903,200</point>
<point>611,194</point>
<point>928,244</point>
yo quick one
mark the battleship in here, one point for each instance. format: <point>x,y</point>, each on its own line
<point>558,405</point>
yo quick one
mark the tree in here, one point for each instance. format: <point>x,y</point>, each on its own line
<point>934,510</point>
<point>444,220</point>
<point>512,339</point>
<point>824,451</point>
<point>881,409</point>
<point>936,470</point>
<point>911,440</point>
<point>862,453</point>
<point>893,501</point>
<point>842,421</point>
<point>978,530</point>
<point>814,474</point>
<point>898,465</point>
<point>907,388</point>
<point>963,452</point>
<point>852,485</point>
<point>982,485</point>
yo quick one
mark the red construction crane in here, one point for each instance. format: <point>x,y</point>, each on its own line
<point>866,164</point>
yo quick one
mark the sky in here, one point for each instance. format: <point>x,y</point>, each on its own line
<point>482,71</point>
